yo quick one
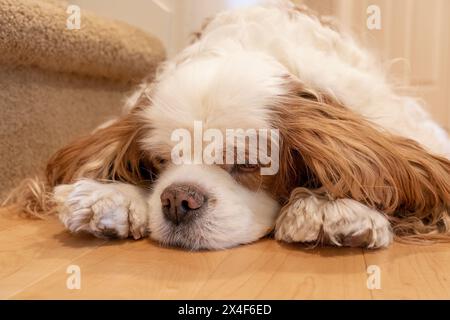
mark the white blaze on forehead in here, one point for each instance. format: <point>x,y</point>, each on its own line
<point>222,92</point>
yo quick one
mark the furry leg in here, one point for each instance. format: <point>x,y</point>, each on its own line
<point>111,210</point>
<point>341,222</point>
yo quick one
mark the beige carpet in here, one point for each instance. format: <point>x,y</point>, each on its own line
<point>34,32</point>
<point>56,84</point>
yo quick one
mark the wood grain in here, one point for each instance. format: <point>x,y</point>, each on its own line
<point>34,256</point>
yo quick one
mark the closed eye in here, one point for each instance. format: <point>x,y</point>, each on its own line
<point>246,168</point>
<point>240,168</point>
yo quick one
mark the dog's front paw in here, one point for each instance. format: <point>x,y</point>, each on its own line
<point>104,210</point>
<point>341,222</point>
<point>301,221</point>
<point>352,224</point>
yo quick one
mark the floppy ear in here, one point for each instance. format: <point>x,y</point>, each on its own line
<point>326,145</point>
<point>109,153</point>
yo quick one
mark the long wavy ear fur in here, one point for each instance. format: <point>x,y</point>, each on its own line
<point>110,153</point>
<point>326,145</point>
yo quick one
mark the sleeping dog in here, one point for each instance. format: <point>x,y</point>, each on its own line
<point>325,151</point>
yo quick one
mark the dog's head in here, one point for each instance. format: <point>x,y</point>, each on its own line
<point>222,141</point>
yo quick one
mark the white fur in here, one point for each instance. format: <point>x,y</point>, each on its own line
<point>223,92</point>
<point>340,221</point>
<point>237,215</point>
<point>103,209</point>
<point>231,78</point>
<point>317,55</point>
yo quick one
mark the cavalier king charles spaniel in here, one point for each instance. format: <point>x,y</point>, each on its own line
<point>354,163</point>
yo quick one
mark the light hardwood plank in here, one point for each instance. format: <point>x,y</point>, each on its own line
<point>34,256</point>
<point>33,249</point>
<point>412,271</point>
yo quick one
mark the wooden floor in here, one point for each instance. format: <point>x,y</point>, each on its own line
<point>35,255</point>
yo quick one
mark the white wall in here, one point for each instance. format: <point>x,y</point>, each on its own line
<point>170,20</point>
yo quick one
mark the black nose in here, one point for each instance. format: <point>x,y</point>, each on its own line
<point>180,202</point>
